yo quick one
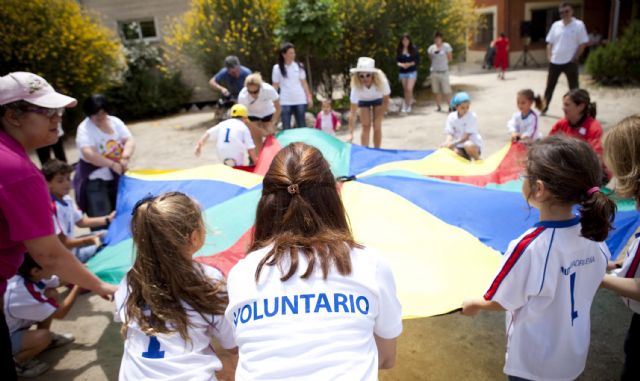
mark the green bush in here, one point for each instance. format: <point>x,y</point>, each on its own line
<point>148,88</point>
<point>617,62</point>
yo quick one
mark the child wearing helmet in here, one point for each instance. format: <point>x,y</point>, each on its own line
<point>462,129</point>
<point>233,138</point>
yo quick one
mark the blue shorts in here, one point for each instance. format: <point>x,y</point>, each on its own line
<point>16,340</point>
<point>373,103</point>
<point>409,75</point>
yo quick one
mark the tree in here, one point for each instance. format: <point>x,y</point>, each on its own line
<point>313,26</point>
<point>55,39</point>
<point>213,29</point>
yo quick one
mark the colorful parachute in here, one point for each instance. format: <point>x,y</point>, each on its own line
<point>441,221</point>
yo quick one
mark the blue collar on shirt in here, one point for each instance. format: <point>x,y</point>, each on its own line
<point>559,224</point>
<point>61,201</point>
<point>526,116</point>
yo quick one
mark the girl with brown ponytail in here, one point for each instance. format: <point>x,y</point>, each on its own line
<point>550,274</point>
<point>170,305</point>
<point>308,302</point>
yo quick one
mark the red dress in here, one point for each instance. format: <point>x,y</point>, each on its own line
<point>502,53</point>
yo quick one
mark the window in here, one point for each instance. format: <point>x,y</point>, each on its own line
<point>137,30</point>
<point>484,33</point>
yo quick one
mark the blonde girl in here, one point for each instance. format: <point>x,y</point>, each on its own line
<point>369,97</point>
<point>263,105</point>
<point>622,157</point>
<point>170,305</point>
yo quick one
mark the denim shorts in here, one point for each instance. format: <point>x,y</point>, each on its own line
<point>409,75</point>
<point>16,340</point>
<point>375,102</point>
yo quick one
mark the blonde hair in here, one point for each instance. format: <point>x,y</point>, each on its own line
<point>622,156</point>
<point>163,280</point>
<point>378,80</point>
<point>253,79</point>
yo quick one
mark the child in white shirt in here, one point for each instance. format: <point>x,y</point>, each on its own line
<point>524,124</point>
<point>233,138</point>
<point>327,121</point>
<point>462,129</point>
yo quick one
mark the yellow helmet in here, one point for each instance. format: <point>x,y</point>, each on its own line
<point>239,110</point>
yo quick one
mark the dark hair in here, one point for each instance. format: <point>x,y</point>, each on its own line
<point>300,212</point>
<point>281,52</point>
<point>565,4</point>
<point>28,264</point>
<point>95,103</point>
<point>437,34</point>
<point>536,99</point>
<point>231,62</point>
<point>569,168</point>
<point>55,167</point>
<point>502,34</point>
<point>411,48</point>
<point>581,96</point>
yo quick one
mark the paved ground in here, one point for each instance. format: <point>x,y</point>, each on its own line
<point>439,348</point>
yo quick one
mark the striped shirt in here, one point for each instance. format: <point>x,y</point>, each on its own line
<point>630,270</point>
<point>525,125</point>
<point>547,282</point>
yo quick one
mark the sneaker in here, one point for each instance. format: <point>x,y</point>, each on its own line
<point>404,108</point>
<point>32,368</point>
<point>439,109</point>
<point>58,340</point>
<point>408,109</point>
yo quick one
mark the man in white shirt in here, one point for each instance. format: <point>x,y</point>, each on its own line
<point>566,40</point>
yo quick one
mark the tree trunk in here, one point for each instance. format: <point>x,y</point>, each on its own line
<point>311,88</point>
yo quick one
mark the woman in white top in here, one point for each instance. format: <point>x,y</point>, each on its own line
<point>263,104</point>
<point>105,146</point>
<point>289,78</point>
<point>370,95</point>
<point>308,302</point>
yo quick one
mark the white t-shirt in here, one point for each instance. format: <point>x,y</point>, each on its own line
<point>458,127</point>
<point>565,40</point>
<point>233,139</point>
<point>261,106</point>
<point>546,282</point>
<point>107,145</point>
<point>370,93</point>
<point>526,126</point>
<point>66,216</point>
<point>326,123</point>
<point>439,60</point>
<point>168,356</point>
<point>25,303</point>
<point>630,269</point>
<point>291,90</point>
<point>312,329</point>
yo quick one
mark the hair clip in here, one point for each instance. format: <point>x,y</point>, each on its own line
<point>145,199</point>
<point>343,179</point>
<point>293,189</point>
<point>592,190</point>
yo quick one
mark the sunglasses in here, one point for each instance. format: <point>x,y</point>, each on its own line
<point>565,11</point>
<point>48,112</point>
<point>363,76</point>
<point>253,92</point>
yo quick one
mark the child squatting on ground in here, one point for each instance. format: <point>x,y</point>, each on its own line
<point>462,129</point>
<point>327,121</point>
<point>622,156</point>
<point>524,124</point>
<point>233,138</point>
<point>170,305</point>
<point>31,298</point>
<point>550,274</point>
<point>66,215</point>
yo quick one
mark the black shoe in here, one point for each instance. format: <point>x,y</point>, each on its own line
<point>544,111</point>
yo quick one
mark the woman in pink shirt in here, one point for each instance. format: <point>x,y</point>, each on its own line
<point>30,110</point>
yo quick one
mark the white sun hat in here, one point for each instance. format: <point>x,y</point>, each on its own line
<point>365,65</point>
<point>21,85</point>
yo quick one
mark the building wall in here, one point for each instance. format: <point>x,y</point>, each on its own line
<point>163,12</point>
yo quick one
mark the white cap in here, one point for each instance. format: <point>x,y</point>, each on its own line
<point>24,86</point>
<point>365,65</point>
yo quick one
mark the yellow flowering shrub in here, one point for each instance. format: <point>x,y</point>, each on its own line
<point>213,29</point>
<point>60,42</point>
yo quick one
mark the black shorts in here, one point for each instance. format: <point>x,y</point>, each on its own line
<point>373,103</point>
<point>258,119</point>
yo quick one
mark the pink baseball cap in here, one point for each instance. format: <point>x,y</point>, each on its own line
<point>24,86</point>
